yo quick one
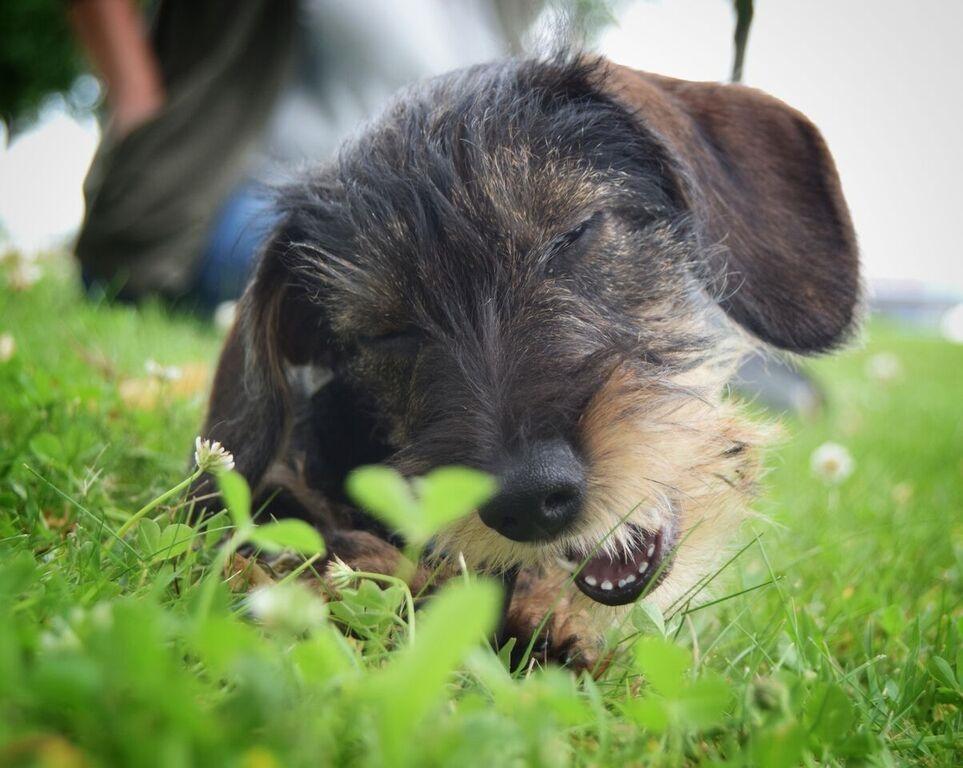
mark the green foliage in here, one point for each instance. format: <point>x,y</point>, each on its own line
<point>237,497</point>
<point>277,536</point>
<point>675,702</point>
<point>418,510</point>
<point>174,540</point>
<point>833,639</point>
<point>37,55</point>
<point>413,685</point>
<point>295,535</point>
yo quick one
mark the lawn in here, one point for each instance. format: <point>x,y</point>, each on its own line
<point>833,637</point>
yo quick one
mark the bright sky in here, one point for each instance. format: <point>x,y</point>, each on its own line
<point>882,79</point>
<point>41,173</point>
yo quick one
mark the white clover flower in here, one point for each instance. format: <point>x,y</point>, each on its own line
<point>884,367</point>
<point>263,602</point>
<point>59,637</point>
<point>211,456</point>
<point>292,607</point>
<point>7,347</point>
<point>162,372</point>
<point>102,615</point>
<point>224,315</point>
<point>54,642</point>
<point>339,574</point>
<point>832,463</point>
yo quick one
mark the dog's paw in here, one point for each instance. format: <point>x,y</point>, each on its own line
<point>566,637</point>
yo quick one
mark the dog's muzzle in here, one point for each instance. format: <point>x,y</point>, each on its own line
<point>542,491</point>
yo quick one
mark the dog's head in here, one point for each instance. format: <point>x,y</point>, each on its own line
<point>539,269</point>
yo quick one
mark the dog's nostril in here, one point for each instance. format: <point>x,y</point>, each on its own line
<point>560,499</point>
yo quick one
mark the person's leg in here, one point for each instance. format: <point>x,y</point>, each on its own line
<point>154,195</point>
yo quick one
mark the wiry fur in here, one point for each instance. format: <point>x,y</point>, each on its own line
<point>520,252</point>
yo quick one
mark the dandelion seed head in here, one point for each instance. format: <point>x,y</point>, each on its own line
<point>832,463</point>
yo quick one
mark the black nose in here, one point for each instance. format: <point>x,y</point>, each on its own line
<point>541,493</point>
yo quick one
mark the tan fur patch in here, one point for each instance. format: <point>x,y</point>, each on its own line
<point>673,454</point>
<point>684,458</point>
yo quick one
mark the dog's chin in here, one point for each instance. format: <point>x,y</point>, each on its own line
<point>641,564</point>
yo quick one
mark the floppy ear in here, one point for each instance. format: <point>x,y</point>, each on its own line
<point>759,181</point>
<point>277,325</point>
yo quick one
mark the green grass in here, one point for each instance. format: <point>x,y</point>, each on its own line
<point>834,639</point>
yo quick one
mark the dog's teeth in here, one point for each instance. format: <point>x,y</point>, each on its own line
<point>643,565</point>
<point>629,579</point>
<point>590,580</point>
<point>606,585</point>
<point>566,565</point>
<point>622,583</point>
<point>649,552</point>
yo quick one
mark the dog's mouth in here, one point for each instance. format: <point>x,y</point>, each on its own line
<point>638,568</point>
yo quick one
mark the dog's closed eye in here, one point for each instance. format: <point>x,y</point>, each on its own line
<point>400,344</point>
<point>563,249</point>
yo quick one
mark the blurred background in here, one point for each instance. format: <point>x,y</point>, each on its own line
<point>881,79</point>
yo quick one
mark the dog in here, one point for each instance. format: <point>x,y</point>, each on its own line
<point>545,269</point>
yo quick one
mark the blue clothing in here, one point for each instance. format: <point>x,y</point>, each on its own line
<point>239,229</point>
